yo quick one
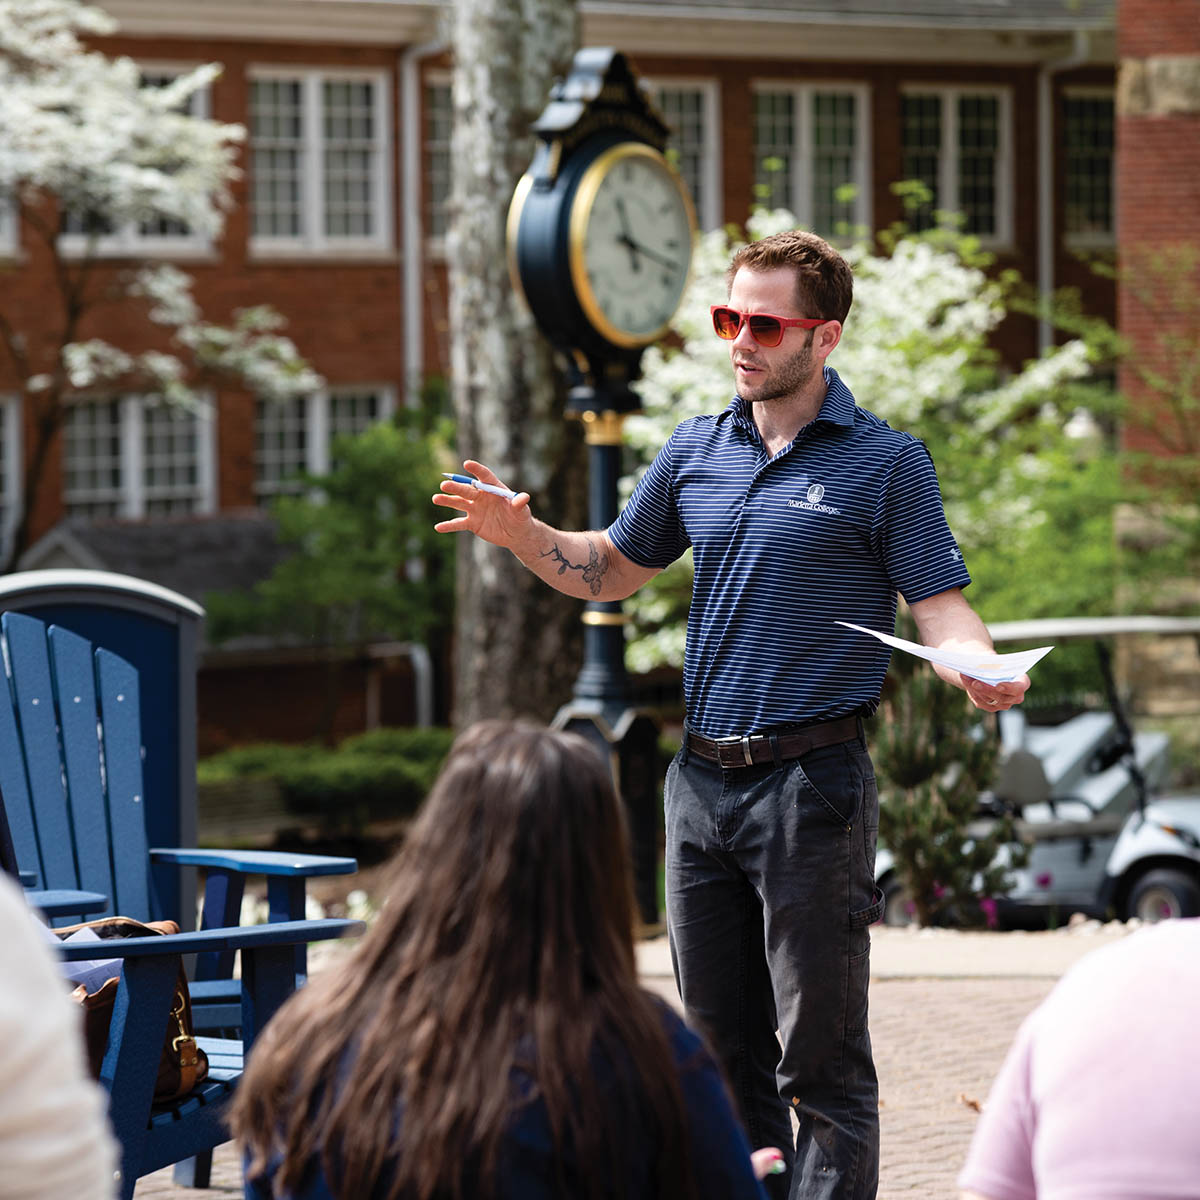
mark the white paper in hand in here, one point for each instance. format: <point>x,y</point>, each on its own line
<point>988,668</point>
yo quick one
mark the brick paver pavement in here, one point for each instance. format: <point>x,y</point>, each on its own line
<point>938,1044</point>
<point>935,1040</point>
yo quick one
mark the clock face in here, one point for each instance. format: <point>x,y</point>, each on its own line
<point>630,244</point>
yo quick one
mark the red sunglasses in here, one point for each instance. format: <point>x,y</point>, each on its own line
<point>765,329</point>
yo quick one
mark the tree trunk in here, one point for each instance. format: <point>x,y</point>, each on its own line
<point>518,643</point>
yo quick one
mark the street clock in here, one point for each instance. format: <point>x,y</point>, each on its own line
<point>600,228</point>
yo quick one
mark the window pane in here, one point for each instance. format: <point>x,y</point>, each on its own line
<point>281,446</point>
<point>92,459</point>
<point>439,116</point>
<point>1088,133</point>
<point>835,137</point>
<point>774,146</point>
<point>8,222</point>
<point>921,122</point>
<point>350,413</point>
<point>85,224</point>
<point>6,483</point>
<point>683,110</point>
<point>350,150</point>
<point>163,227</point>
<point>978,151</point>
<point>277,157</point>
<point>170,457</point>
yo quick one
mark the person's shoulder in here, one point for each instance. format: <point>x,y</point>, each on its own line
<point>1129,973</point>
<point>872,438</point>
<point>870,425</point>
<point>703,425</point>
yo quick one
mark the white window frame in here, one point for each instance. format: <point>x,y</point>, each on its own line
<point>131,498</point>
<point>1002,238</point>
<point>434,242</point>
<point>1090,240</point>
<point>318,440</point>
<point>803,148</point>
<point>10,425</point>
<point>313,240</point>
<point>710,206</point>
<point>129,241</point>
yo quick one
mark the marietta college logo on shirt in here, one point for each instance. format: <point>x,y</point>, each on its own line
<point>812,501</point>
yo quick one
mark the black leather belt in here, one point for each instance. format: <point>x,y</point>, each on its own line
<point>760,749</point>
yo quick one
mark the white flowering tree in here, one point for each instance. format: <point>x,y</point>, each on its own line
<point>916,352</point>
<point>83,135</point>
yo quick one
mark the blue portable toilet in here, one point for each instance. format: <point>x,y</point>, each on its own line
<point>158,631</point>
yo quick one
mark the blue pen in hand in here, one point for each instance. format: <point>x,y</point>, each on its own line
<point>483,487</point>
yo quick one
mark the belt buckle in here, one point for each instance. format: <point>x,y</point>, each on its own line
<point>735,740</point>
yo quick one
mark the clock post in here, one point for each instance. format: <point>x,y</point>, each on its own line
<point>599,243</point>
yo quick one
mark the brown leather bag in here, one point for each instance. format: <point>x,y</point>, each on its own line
<point>183,1064</point>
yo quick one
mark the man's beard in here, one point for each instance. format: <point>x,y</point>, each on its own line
<point>788,377</point>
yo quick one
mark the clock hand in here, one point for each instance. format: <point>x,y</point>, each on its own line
<point>626,239</point>
<point>651,254</point>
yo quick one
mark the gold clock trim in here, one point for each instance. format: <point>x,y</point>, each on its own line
<point>515,207</point>
<point>602,428</point>
<point>581,209</point>
<point>592,617</point>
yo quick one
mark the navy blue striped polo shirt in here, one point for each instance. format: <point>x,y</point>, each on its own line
<point>830,529</point>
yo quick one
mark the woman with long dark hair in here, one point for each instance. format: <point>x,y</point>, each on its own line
<point>489,1038</point>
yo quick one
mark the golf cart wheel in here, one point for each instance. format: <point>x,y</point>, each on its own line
<point>897,906</point>
<point>1162,894</point>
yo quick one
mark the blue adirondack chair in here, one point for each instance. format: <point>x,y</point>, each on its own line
<point>71,788</point>
<point>87,860</point>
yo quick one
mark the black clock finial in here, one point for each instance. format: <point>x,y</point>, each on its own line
<point>601,92</point>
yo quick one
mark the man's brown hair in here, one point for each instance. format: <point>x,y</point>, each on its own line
<point>824,284</point>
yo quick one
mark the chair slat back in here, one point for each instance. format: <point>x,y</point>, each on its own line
<point>75,701</point>
<point>121,738</point>
<point>71,765</point>
<point>41,818</point>
<point>14,784</point>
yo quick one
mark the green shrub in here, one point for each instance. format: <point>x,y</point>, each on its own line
<point>382,775</point>
<point>430,744</point>
<point>934,756</point>
<point>349,791</point>
<point>262,760</point>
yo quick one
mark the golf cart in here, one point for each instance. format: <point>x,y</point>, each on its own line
<point>1103,839</point>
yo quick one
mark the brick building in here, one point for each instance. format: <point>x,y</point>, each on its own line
<point>1158,227</point>
<point>1004,109</point>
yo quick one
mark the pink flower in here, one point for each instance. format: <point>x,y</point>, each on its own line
<point>1044,880</point>
<point>938,891</point>
<point>988,906</point>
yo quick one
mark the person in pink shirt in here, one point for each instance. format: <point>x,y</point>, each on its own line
<point>1099,1096</point>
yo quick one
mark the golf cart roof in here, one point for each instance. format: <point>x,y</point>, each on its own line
<point>1063,628</point>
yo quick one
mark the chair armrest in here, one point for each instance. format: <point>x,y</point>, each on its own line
<point>238,937</point>
<point>61,902</point>
<point>257,862</point>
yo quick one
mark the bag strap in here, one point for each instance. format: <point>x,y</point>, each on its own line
<point>184,1044</point>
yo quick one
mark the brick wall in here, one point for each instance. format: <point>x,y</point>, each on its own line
<point>1158,190</point>
<point>298,702</point>
<point>1147,27</point>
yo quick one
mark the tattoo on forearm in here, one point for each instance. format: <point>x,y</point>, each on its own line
<point>593,570</point>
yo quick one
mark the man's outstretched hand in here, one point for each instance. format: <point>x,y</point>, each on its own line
<point>492,518</point>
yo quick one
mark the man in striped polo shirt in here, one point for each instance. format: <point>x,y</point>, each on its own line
<point>801,509</point>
